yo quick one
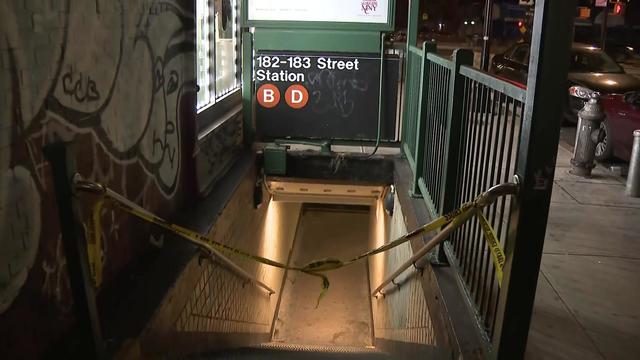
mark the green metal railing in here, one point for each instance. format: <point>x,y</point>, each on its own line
<point>435,134</point>
<point>413,86</point>
<point>489,141</point>
<point>465,130</point>
<point>461,136</point>
<point>430,115</point>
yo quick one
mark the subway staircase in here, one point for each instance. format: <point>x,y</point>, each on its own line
<point>341,327</point>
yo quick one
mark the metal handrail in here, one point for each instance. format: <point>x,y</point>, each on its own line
<point>486,198</point>
<point>82,184</point>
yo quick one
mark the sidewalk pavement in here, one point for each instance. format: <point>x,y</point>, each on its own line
<point>588,298</point>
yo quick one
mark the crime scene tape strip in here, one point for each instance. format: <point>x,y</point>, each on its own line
<point>191,236</point>
<point>94,243</point>
<point>332,264</point>
<point>312,268</point>
<point>490,236</point>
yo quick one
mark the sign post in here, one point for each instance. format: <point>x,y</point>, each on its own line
<point>603,24</point>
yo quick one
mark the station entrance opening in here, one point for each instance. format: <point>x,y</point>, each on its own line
<point>386,201</point>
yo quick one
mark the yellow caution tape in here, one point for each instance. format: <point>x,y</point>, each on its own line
<point>191,236</point>
<point>432,226</point>
<point>94,243</point>
<point>490,236</point>
<point>313,268</point>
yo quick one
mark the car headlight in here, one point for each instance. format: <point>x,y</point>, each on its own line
<point>582,92</point>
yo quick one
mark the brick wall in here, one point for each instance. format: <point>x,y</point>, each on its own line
<point>116,78</point>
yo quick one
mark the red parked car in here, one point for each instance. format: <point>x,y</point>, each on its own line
<point>623,117</point>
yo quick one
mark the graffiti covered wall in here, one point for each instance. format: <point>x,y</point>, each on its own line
<point>116,78</point>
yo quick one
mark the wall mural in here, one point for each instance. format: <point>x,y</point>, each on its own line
<point>115,77</point>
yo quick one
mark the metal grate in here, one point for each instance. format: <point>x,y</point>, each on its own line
<point>297,351</point>
<point>319,348</point>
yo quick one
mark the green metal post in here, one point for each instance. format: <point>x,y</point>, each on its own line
<point>412,38</point>
<point>412,26</point>
<point>454,138</point>
<point>247,88</point>
<point>63,167</point>
<point>427,47</point>
<point>539,138</point>
<point>406,101</point>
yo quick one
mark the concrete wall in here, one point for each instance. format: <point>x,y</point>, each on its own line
<point>402,316</point>
<point>210,307</point>
<point>117,78</point>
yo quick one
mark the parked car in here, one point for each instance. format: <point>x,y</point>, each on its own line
<point>626,55</point>
<point>471,30</point>
<point>623,117</point>
<point>590,70</point>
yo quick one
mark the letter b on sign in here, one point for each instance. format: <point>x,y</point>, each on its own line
<point>268,96</point>
<point>296,96</point>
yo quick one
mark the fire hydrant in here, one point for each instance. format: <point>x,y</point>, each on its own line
<point>587,137</point>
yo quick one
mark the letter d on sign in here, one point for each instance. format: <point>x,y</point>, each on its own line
<point>268,96</point>
<point>296,96</point>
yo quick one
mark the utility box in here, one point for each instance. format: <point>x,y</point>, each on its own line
<point>275,160</point>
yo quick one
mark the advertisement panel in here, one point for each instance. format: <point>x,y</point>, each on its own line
<point>348,11</point>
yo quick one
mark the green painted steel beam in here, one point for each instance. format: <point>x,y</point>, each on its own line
<point>317,40</point>
<point>413,21</point>
<point>454,130</point>
<point>539,137</point>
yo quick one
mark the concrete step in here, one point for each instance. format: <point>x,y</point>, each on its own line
<point>297,351</point>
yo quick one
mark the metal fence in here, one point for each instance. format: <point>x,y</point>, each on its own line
<point>489,140</point>
<point>431,175</point>
<point>411,103</point>
<point>491,131</point>
<point>462,131</point>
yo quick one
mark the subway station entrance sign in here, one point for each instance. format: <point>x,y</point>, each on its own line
<point>317,95</point>
<point>348,11</point>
